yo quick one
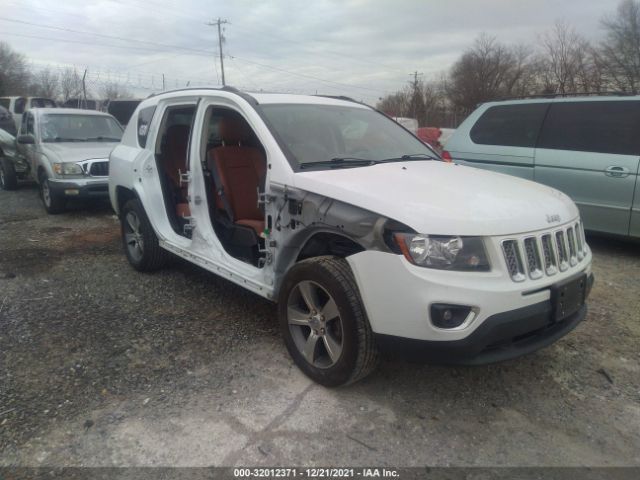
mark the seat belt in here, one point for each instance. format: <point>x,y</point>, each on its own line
<point>217,182</point>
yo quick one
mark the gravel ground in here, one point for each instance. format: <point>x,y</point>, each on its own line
<point>102,366</point>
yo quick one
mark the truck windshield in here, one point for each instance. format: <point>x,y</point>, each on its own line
<point>327,136</point>
<point>79,128</point>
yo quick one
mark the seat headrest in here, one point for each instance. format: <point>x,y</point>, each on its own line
<point>234,130</point>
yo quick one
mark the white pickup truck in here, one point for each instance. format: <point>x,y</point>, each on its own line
<point>367,240</point>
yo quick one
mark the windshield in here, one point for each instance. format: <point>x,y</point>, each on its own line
<point>325,133</point>
<point>79,128</point>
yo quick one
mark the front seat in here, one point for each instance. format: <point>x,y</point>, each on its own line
<point>240,169</point>
<point>175,162</point>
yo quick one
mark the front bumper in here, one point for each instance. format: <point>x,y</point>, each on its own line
<point>501,337</point>
<point>82,188</point>
<point>507,318</point>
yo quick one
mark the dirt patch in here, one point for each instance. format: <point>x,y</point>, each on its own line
<point>103,240</point>
<point>27,261</point>
<point>16,218</point>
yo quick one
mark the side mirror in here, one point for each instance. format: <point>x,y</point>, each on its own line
<point>26,139</point>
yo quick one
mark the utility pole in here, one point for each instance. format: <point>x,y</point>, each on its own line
<point>414,99</point>
<point>219,24</point>
<point>84,88</point>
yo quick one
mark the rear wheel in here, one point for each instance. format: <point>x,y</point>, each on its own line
<point>324,324</point>
<point>140,241</point>
<point>53,202</point>
<point>8,178</point>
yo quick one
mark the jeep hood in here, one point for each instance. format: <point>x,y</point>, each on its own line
<point>77,151</point>
<point>434,197</point>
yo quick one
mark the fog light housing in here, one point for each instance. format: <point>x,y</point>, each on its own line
<point>448,316</point>
<point>72,191</point>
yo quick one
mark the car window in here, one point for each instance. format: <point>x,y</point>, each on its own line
<point>510,125</point>
<point>320,133</point>
<point>30,129</point>
<point>79,128</point>
<point>23,124</point>
<point>144,120</point>
<point>5,102</point>
<point>600,127</point>
<point>42,103</point>
<point>18,106</point>
<point>174,118</point>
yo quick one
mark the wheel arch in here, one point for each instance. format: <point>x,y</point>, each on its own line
<point>123,195</point>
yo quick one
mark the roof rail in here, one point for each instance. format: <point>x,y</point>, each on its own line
<point>344,98</point>
<point>224,88</point>
<point>572,94</point>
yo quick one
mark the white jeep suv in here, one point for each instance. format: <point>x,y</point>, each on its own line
<point>367,240</point>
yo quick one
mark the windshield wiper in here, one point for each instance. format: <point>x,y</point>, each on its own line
<point>62,139</point>
<point>101,139</point>
<point>340,162</point>
<point>405,158</point>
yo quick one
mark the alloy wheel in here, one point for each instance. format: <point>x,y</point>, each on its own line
<point>46,192</point>
<point>315,324</point>
<point>133,236</point>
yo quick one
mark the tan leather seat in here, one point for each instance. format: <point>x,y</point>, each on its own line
<point>241,169</point>
<point>175,161</point>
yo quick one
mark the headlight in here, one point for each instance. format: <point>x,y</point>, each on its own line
<point>443,252</point>
<point>67,169</point>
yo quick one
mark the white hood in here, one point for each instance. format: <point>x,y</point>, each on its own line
<point>77,151</point>
<point>443,198</point>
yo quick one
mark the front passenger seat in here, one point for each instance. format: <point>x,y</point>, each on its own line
<point>241,170</point>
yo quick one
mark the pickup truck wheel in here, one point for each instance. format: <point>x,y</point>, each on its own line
<point>8,178</point>
<point>324,324</point>
<point>140,241</point>
<point>53,203</point>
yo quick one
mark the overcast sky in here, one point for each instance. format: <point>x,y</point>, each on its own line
<point>358,48</point>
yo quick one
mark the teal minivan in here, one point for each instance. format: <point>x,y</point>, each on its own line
<point>587,147</point>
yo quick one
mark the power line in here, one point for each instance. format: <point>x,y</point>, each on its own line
<point>303,75</point>
<point>112,37</point>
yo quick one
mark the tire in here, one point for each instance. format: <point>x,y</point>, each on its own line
<point>53,203</point>
<point>139,240</point>
<point>318,281</point>
<point>8,178</point>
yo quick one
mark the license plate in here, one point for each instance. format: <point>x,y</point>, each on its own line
<point>568,297</point>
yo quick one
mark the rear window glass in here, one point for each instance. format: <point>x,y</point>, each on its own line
<point>18,106</point>
<point>144,120</point>
<point>42,103</point>
<point>599,127</point>
<point>510,125</point>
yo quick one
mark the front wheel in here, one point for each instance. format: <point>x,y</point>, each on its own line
<point>53,202</point>
<point>324,324</point>
<point>8,178</point>
<point>140,241</point>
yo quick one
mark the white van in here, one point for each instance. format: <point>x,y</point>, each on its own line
<point>367,240</point>
<point>18,105</point>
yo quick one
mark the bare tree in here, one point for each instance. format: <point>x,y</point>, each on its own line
<point>487,71</point>
<point>14,75</point>
<point>396,104</point>
<point>565,64</point>
<point>115,90</point>
<point>620,50</point>
<point>45,83</point>
<point>70,84</point>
